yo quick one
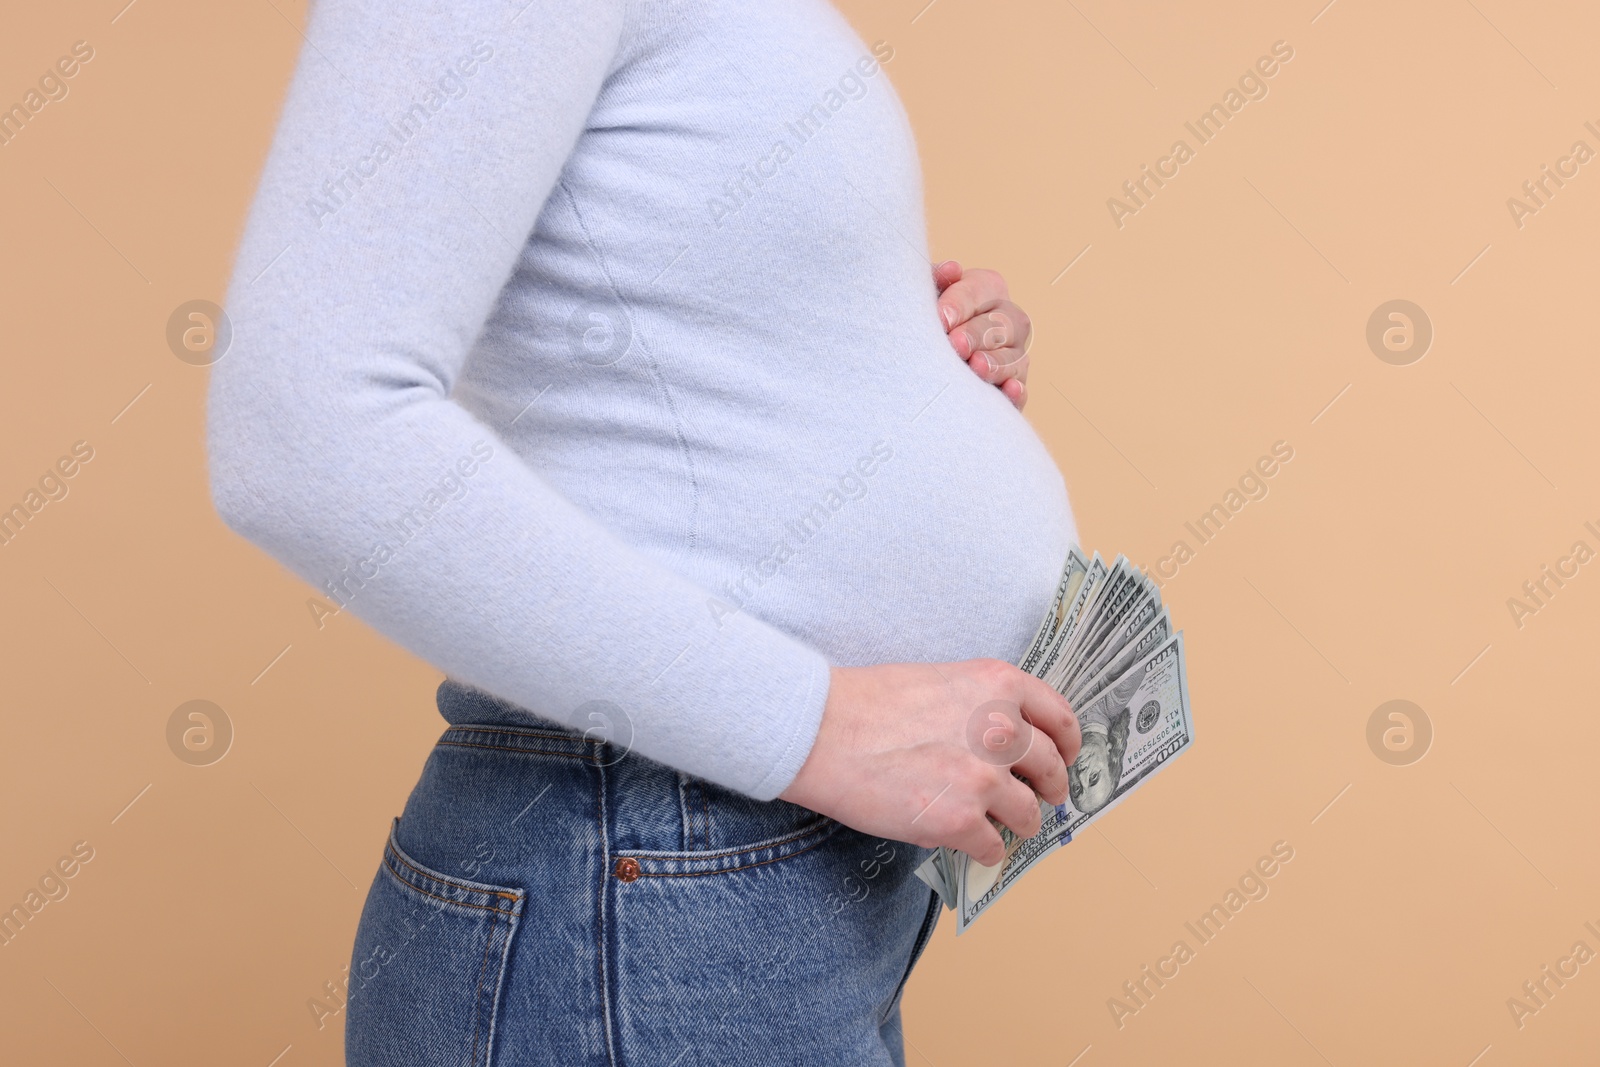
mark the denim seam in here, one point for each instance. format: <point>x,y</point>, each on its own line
<point>690,856</point>
<point>743,867</point>
<point>686,798</point>
<point>526,751</point>
<point>515,732</point>
<point>602,889</point>
<point>699,841</point>
<point>705,800</point>
<point>477,995</point>
<point>482,907</point>
<point>416,888</point>
<point>695,801</point>
<point>508,894</point>
<point>483,696</point>
<point>924,935</point>
<point>691,790</point>
<point>685,840</point>
<point>512,922</point>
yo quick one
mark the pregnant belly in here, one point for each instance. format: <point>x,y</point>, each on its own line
<point>935,535</point>
<point>895,510</point>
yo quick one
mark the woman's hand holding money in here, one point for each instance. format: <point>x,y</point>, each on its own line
<point>894,755</point>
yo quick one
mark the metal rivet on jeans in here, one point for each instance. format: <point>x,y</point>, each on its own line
<point>627,869</point>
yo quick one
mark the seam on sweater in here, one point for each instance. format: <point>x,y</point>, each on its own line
<point>649,360</point>
<point>627,32</point>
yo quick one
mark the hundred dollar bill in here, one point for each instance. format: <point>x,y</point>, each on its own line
<point>1098,619</point>
<point>1076,611</point>
<point>975,886</point>
<point>1113,593</point>
<point>1073,573</point>
<point>935,873</point>
<point>1132,652</point>
<point>1136,618</point>
<point>1132,729</point>
<point>1111,632</point>
<point>1099,628</point>
<point>978,878</point>
<point>1073,594</point>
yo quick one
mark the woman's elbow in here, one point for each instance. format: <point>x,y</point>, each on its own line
<point>238,503</point>
<point>246,472</point>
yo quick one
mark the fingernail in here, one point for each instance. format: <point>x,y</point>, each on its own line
<point>948,314</point>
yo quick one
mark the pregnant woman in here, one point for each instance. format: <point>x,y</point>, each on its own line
<point>590,350</point>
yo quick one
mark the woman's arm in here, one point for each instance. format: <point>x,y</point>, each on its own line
<point>417,145</point>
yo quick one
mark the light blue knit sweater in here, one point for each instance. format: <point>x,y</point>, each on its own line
<point>588,349</point>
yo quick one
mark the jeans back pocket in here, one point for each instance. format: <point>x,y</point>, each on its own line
<point>428,966</point>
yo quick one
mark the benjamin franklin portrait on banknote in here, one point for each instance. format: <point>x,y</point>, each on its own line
<point>1094,776</point>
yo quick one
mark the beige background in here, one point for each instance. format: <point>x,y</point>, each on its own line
<point>1229,313</point>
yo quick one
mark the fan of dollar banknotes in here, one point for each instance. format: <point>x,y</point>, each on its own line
<point>1107,645</point>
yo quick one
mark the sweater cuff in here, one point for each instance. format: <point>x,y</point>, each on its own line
<point>805,719</point>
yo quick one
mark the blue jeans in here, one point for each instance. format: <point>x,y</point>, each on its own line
<point>546,898</point>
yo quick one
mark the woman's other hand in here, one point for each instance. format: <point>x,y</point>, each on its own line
<point>986,329</point>
<point>924,752</point>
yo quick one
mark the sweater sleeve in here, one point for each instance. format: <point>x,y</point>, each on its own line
<point>417,145</point>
